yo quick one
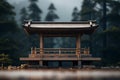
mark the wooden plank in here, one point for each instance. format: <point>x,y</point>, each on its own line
<point>91,59</point>
<point>29,59</point>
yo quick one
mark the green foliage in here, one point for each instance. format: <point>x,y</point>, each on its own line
<point>113,29</point>
<point>8,29</point>
<point>35,15</point>
<point>75,14</point>
<point>7,21</point>
<point>33,0</point>
<point>51,16</point>
<point>114,15</point>
<point>6,10</point>
<point>52,7</point>
<point>4,59</point>
<point>93,9</point>
<point>68,42</point>
<point>88,11</point>
<point>7,26</point>
<point>7,45</point>
<point>24,14</point>
<point>34,10</point>
<point>111,53</point>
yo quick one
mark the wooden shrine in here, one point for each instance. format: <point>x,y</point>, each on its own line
<point>41,56</point>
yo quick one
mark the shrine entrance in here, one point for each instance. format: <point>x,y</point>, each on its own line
<point>60,43</point>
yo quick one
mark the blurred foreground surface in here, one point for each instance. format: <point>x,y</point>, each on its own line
<point>60,75</point>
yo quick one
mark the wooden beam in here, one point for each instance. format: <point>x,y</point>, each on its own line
<point>61,59</point>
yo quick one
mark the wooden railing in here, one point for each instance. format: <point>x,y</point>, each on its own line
<point>68,52</point>
<point>57,50</point>
<point>62,50</point>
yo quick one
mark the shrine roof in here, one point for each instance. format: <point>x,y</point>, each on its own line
<point>37,26</point>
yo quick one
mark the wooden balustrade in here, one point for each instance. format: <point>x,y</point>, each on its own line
<point>59,52</point>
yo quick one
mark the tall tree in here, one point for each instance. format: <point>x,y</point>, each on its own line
<point>88,11</point>
<point>6,10</point>
<point>6,17</point>
<point>51,41</point>
<point>114,16</point>
<point>111,52</point>
<point>75,14</point>
<point>51,16</point>
<point>109,8</point>
<point>8,29</point>
<point>107,16</point>
<point>24,14</point>
<point>35,15</point>
<point>34,10</point>
<point>69,42</point>
<point>4,59</point>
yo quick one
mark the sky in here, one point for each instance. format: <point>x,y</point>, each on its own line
<point>64,7</point>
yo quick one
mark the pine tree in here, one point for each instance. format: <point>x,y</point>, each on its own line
<point>35,15</point>
<point>24,14</point>
<point>34,10</point>
<point>112,12</point>
<point>51,42</point>
<point>87,10</point>
<point>68,42</point>
<point>114,15</point>
<point>75,14</point>
<point>6,10</point>
<point>4,59</point>
<point>7,21</point>
<point>51,16</point>
<point>8,29</point>
<point>107,14</point>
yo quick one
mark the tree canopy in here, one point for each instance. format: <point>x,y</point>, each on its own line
<point>51,16</point>
<point>8,29</point>
<point>34,11</point>
<point>95,9</point>
<point>75,14</point>
<point>24,14</point>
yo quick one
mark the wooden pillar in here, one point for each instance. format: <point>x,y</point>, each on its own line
<point>41,44</point>
<point>78,44</point>
<point>78,47</point>
<point>41,50</point>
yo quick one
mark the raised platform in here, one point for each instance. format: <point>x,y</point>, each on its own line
<point>60,54</point>
<point>60,57</point>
